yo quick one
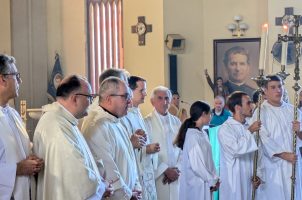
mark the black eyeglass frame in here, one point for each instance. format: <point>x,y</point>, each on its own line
<point>17,74</point>
<point>90,96</point>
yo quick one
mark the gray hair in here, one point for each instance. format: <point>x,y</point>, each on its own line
<point>220,98</point>
<point>161,89</point>
<point>5,62</point>
<point>109,86</point>
<point>120,73</point>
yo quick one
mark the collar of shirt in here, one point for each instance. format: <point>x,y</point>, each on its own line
<point>108,112</point>
<point>266,103</point>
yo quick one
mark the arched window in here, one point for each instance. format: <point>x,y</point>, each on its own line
<point>105,47</point>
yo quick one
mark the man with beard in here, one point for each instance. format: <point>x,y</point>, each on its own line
<point>237,144</point>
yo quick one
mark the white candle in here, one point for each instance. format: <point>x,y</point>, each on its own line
<point>284,48</point>
<point>263,47</point>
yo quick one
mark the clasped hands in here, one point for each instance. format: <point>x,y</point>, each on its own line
<point>170,175</point>
<point>29,166</point>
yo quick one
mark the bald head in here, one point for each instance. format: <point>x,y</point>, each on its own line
<point>74,93</point>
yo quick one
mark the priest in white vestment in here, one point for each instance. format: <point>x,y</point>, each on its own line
<point>237,147</point>
<point>163,128</point>
<point>70,170</point>
<point>109,140</point>
<point>276,135</point>
<point>16,163</point>
<point>119,73</point>
<point>134,122</point>
<point>198,174</point>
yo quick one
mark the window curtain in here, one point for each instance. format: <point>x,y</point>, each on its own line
<point>105,25</point>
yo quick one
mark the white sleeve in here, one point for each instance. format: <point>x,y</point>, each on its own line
<point>7,173</point>
<point>200,167</point>
<point>236,146</point>
<point>270,146</point>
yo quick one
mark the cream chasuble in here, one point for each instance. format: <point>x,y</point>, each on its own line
<point>111,146</point>
<point>70,170</point>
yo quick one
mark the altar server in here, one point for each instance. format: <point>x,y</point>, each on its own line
<point>198,176</point>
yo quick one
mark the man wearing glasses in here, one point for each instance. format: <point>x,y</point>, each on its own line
<point>17,164</point>
<point>109,140</point>
<point>70,169</point>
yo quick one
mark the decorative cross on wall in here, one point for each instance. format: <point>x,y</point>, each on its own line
<point>141,28</point>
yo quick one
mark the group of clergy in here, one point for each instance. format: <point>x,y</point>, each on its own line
<point>117,154</point>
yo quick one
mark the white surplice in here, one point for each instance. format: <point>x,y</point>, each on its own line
<point>70,170</point>
<point>14,147</point>
<point>113,151</point>
<point>197,167</point>
<point>276,137</point>
<point>132,122</point>
<point>237,145</point>
<point>163,129</point>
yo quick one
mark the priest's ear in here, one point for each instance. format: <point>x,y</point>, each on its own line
<point>73,98</point>
<point>152,101</point>
<point>3,80</point>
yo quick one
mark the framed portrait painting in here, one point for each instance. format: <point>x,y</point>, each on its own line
<point>236,62</point>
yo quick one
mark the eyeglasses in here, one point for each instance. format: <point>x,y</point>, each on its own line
<point>17,74</point>
<point>89,96</point>
<point>126,96</point>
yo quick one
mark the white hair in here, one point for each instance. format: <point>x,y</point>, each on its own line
<point>220,98</point>
<point>161,89</point>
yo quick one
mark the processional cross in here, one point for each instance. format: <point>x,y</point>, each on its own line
<point>294,21</point>
<point>289,11</point>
